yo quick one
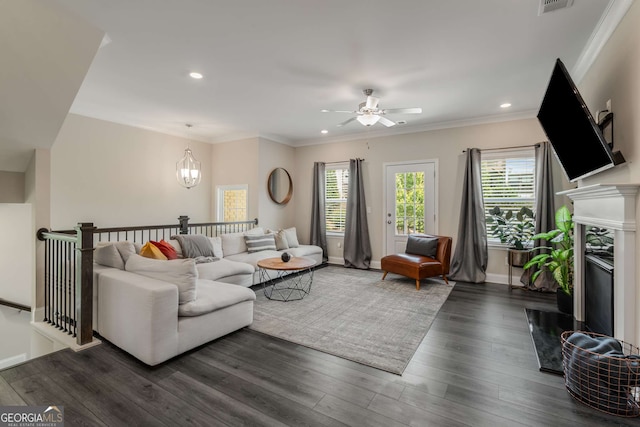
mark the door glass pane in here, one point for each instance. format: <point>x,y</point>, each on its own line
<point>409,203</point>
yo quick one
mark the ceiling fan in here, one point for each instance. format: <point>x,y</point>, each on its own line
<point>369,114</point>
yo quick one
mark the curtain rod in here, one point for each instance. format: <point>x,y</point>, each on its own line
<point>506,148</point>
<point>343,161</point>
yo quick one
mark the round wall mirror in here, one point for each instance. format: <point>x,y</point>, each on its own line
<point>280,186</point>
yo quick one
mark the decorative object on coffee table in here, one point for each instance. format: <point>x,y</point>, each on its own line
<point>285,257</point>
<point>286,281</point>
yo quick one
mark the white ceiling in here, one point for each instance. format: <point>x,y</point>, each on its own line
<point>271,66</point>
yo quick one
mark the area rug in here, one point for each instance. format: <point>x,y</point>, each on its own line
<point>355,315</point>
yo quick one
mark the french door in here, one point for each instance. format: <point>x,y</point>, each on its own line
<point>410,202</point>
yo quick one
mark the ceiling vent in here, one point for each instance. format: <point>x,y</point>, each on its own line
<point>551,5</point>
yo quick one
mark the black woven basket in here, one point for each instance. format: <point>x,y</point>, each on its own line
<point>609,384</point>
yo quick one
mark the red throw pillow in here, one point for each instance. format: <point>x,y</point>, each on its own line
<point>166,249</point>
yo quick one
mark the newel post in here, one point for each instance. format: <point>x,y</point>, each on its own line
<point>84,287</point>
<point>184,224</point>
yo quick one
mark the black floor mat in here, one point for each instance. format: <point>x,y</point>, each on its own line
<point>545,328</point>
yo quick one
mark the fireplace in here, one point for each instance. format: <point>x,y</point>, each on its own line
<point>610,206</point>
<point>598,294</point>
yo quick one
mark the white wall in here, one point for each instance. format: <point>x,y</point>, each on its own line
<point>615,75</point>
<point>275,155</point>
<point>11,187</point>
<point>117,175</point>
<point>17,259</point>
<point>445,145</point>
<point>235,163</point>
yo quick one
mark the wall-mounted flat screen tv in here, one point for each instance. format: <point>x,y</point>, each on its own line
<point>576,138</point>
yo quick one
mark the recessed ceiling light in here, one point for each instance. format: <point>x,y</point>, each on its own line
<point>324,131</point>
<point>324,111</point>
<point>195,75</point>
<point>505,105</point>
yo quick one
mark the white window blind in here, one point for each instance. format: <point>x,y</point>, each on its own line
<point>336,193</point>
<point>508,180</point>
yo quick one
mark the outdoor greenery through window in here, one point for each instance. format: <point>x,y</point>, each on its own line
<point>409,203</point>
<point>336,179</point>
<point>508,181</point>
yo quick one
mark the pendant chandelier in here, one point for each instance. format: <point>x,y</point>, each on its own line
<point>188,170</point>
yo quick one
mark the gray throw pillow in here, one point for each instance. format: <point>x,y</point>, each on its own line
<point>256,243</point>
<point>422,245</point>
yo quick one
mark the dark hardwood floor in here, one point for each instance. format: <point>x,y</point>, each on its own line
<point>475,367</point>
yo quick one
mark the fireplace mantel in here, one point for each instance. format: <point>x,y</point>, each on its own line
<point>611,206</point>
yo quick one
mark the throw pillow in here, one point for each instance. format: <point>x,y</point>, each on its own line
<point>180,272</point>
<point>194,245</point>
<point>420,244</point>
<point>126,249</point>
<point>216,242</point>
<point>149,250</point>
<point>257,243</point>
<point>166,249</point>
<point>107,254</point>
<point>281,239</point>
<point>255,231</point>
<point>233,243</point>
<point>292,237</point>
<point>176,247</point>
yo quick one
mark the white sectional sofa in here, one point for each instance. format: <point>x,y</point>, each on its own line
<point>156,310</point>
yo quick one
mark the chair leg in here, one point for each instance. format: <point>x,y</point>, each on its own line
<point>445,279</point>
<point>418,284</point>
<point>384,275</point>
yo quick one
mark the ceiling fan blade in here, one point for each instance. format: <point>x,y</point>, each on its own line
<point>347,121</point>
<point>403,111</point>
<point>386,122</point>
<point>338,111</point>
<point>372,102</point>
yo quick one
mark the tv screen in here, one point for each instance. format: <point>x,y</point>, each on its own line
<point>575,136</point>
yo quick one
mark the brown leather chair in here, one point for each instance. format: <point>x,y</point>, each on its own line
<point>419,266</point>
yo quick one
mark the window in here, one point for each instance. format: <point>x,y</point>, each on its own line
<point>508,181</point>
<point>232,203</point>
<point>336,179</point>
<point>409,203</point>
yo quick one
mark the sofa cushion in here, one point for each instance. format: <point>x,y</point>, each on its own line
<point>106,254</point>
<point>195,245</point>
<point>424,245</point>
<point>177,247</point>
<point>166,248</point>
<point>223,268</point>
<point>149,250</point>
<point>214,296</point>
<point>113,254</point>
<point>280,238</point>
<point>304,250</point>
<point>254,257</point>
<point>233,243</point>
<point>180,272</point>
<point>292,237</point>
<point>257,243</point>
<point>216,243</point>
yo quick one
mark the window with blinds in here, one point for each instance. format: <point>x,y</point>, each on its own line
<point>508,181</point>
<point>336,179</point>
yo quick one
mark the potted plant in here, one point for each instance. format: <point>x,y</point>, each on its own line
<point>515,230</point>
<point>558,258</point>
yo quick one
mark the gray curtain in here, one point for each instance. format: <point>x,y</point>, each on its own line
<point>469,262</point>
<point>357,246</point>
<point>318,215</point>
<point>545,214</point>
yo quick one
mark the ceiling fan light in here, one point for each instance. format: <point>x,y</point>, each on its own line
<point>368,119</point>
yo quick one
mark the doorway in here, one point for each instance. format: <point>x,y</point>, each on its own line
<point>410,202</point>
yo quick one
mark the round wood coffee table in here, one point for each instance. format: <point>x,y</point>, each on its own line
<point>286,281</point>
